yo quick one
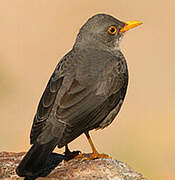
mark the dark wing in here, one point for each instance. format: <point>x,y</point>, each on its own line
<point>45,105</point>
<point>78,103</point>
<point>106,93</point>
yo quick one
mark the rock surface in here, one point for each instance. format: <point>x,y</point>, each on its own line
<point>75,169</point>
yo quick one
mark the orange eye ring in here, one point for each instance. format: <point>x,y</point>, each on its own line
<point>112,30</point>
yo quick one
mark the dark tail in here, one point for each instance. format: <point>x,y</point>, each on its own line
<point>35,159</point>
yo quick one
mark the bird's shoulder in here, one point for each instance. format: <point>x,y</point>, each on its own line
<point>112,73</point>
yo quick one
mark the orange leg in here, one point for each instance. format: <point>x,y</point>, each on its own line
<point>95,154</point>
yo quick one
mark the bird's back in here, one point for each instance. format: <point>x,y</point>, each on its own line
<point>88,84</point>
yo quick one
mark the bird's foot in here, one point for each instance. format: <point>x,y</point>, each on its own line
<point>96,155</point>
<point>92,156</point>
<point>68,155</point>
<point>80,156</point>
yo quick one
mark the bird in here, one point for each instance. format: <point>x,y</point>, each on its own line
<point>85,92</point>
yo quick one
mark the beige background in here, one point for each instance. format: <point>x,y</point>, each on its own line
<point>35,34</point>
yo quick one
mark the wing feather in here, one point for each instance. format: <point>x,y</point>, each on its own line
<point>73,104</point>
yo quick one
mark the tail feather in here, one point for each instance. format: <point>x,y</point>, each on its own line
<point>35,159</point>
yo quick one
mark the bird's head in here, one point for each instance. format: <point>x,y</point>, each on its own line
<point>103,31</point>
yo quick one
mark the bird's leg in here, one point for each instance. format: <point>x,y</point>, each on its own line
<point>94,151</point>
<point>70,155</point>
<point>95,154</point>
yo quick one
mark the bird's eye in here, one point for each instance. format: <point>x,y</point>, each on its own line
<point>112,30</point>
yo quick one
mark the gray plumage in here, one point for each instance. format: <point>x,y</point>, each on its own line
<point>85,92</point>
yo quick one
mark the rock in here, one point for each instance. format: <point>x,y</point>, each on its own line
<point>75,169</point>
<point>8,164</point>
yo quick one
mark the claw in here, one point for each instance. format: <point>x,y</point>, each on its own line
<point>98,156</point>
<point>92,156</point>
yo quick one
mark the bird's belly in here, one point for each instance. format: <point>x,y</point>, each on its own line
<point>111,116</point>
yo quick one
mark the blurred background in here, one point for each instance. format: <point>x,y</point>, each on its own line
<point>34,35</point>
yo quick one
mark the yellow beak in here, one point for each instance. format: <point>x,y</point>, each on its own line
<point>130,25</point>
